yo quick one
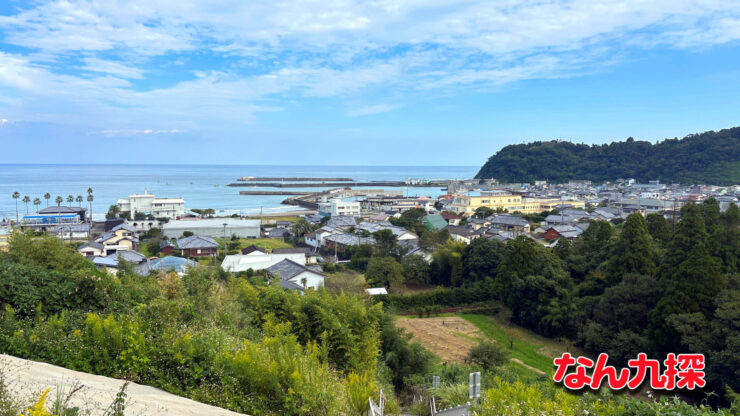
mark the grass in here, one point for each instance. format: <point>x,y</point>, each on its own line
<point>268,244</point>
<point>532,349</point>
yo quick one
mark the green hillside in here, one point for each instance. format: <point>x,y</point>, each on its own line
<point>710,157</point>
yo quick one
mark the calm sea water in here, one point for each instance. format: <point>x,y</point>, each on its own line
<point>202,186</point>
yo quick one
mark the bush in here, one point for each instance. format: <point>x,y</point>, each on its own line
<point>487,355</point>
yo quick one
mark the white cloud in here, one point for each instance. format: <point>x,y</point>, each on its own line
<point>371,109</point>
<point>89,61</point>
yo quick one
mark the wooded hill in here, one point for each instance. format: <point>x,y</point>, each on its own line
<point>711,157</point>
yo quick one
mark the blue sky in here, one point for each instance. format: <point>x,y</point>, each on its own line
<point>383,82</point>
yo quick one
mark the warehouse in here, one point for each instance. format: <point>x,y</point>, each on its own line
<point>214,228</point>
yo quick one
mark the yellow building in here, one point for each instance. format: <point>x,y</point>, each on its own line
<point>466,205</point>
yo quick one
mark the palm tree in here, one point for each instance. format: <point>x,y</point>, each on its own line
<point>90,200</point>
<point>26,200</point>
<point>89,191</point>
<point>46,197</point>
<point>37,202</point>
<point>16,195</point>
<point>79,200</point>
<point>59,200</point>
<point>70,199</point>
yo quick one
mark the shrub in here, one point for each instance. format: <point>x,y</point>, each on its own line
<point>487,355</point>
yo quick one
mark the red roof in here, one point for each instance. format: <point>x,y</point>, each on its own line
<point>450,216</point>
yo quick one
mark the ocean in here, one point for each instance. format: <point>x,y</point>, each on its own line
<point>202,186</point>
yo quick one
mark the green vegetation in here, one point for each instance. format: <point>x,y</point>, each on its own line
<point>710,157</point>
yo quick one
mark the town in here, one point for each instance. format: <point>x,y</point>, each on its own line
<point>154,233</point>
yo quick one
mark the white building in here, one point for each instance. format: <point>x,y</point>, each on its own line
<point>258,260</point>
<point>149,204</point>
<point>337,206</point>
<point>213,227</point>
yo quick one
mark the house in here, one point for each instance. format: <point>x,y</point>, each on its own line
<point>312,257</point>
<point>433,222</point>
<point>213,228</point>
<point>122,237</point>
<point>178,265</point>
<point>509,222</point>
<point>197,246</point>
<point>296,276</point>
<point>567,231</point>
<point>92,249</point>
<point>254,250</point>
<point>278,233</point>
<point>166,247</point>
<point>463,234</point>
<point>339,242</point>
<point>283,224</point>
<point>401,233</point>
<point>375,291</point>
<point>111,263</point>
<point>259,260</point>
<point>451,218</point>
<point>316,239</point>
<point>148,204</point>
<point>423,253</point>
<point>45,219</point>
<point>342,221</point>
<point>478,223</point>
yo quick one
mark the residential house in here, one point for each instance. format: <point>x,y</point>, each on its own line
<point>339,242</point>
<point>72,231</point>
<point>278,232</point>
<point>254,251</point>
<point>451,218</point>
<point>92,249</point>
<point>401,233</point>
<point>567,231</point>
<point>312,257</point>
<point>509,223</point>
<point>122,237</point>
<point>463,234</point>
<point>315,239</point>
<point>296,276</point>
<point>111,263</point>
<point>259,260</point>
<point>197,246</point>
<point>342,222</point>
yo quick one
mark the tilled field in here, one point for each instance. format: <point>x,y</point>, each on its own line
<point>447,337</point>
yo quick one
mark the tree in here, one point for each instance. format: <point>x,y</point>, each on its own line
<point>302,227</point>
<point>26,200</point>
<point>113,212</point>
<point>692,277</point>
<point>483,212</point>
<point>16,195</point>
<point>447,265</point>
<point>384,271</point>
<point>415,269</point>
<point>385,241</point>
<point>59,200</point>
<point>658,227</point>
<point>70,199</point>
<point>429,240</point>
<point>90,200</point>
<point>633,252</point>
<point>47,196</point>
<point>79,200</point>
<point>481,258</point>
<point>487,355</point>
<point>36,203</point>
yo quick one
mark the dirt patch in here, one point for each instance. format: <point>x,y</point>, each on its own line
<point>447,337</point>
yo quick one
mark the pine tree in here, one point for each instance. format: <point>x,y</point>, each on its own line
<point>634,251</point>
<point>691,276</point>
<point>658,227</point>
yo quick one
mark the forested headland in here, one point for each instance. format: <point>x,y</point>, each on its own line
<point>711,157</point>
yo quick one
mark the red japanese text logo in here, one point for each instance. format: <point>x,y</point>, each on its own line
<point>682,371</point>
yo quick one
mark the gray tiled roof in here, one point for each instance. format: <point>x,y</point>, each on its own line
<point>195,242</point>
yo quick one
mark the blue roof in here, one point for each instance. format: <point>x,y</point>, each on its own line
<point>177,264</point>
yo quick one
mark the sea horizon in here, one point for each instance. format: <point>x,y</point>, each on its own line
<point>201,185</point>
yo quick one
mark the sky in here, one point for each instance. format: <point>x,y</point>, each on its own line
<point>342,82</point>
